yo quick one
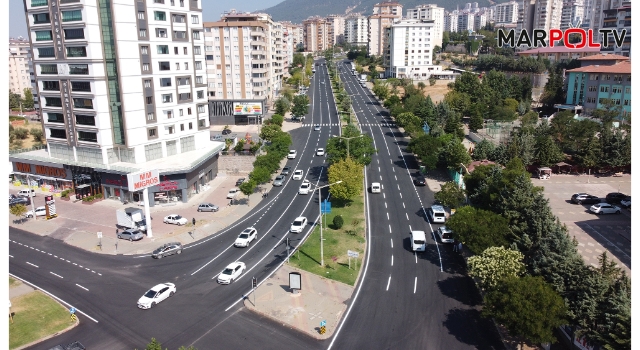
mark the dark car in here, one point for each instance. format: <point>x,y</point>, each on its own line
<point>12,196</point>
<point>76,345</point>
<point>167,249</point>
<point>420,181</point>
<point>226,131</point>
<point>286,170</point>
<point>208,207</point>
<point>19,200</point>
<point>240,181</point>
<point>615,197</point>
<point>131,234</point>
<point>585,198</point>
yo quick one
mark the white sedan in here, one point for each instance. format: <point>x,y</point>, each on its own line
<point>292,154</point>
<point>231,273</point>
<point>305,187</point>
<point>175,219</point>
<point>604,208</point>
<point>40,211</point>
<point>298,224</point>
<point>232,193</point>
<point>156,294</point>
<point>247,236</point>
<point>320,152</point>
<point>298,175</point>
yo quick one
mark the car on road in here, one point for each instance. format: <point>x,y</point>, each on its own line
<point>437,214</point>
<point>208,207</point>
<point>175,219</point>
<point>446,235</point>
<point>240,181</point>
<point>286,170</point>
<point>40,211</point>
<point>292,154</point>
<point>226,131</point>
<point>156,294</point>
<point>375,187</point>
<point>20,200</point>
<point>320,152</point>
<point>322,82</point>
<point>246,237</point>
<point>305,187</point>
<point>76,345</point>
<point>418,241</point>
<point>585,198</point>
<point>298,175</point>
<point>167,249</point>
<point>316,127</point>
<point>626,202</point>
<point>231,272</point>
<point>233,193</point>
<point>130,234</point>
<point>615,197</point>
<point>604,208</point>
<point>298,224</point>
<point>279,181</point>
<point>27,193</point>
<point>420,181</point>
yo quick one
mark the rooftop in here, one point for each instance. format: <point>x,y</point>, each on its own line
<point>623,67</point>
<point>604,57</point>
<point>559,49</point>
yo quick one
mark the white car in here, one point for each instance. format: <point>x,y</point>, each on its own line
<point>175,219</point>
<point>625,202</point>
<point>375,187</point>
<point>446,235</point>
<point>231,272</point>
<point>40,211</point>
<point>305,187</point>
<point>156,294</point>
<point>317,127</point>
<point>233,193</point>
<point>298,175</point>
<point>320,152</point>
<point>292,154</point>
<point>604,208</point>
<point>298,224</point>
<point>247,236</point>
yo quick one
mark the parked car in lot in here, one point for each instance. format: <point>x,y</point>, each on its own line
<point>585,198</point>
<point>167,249</point>
<point>279,181</point>
<point>420,181</point>
<point>604,208</point>
<point>240,181</point>
<point>626,202</point>
<point>208,207</point>
<point>156,294</point>
<point>40,211</point>
<point>175,219</point>
<point>232,193</point>
<point>298,224</point>
<point>292,154</point>
<point>298,174</point>
<point>286,170</point>
<point>231,272</point>
<point>246,237</point>
<point>27,193</point>
<point>226,131</point>
<point>130,234</point>
<point>305,187</point>
<point>446,236</point>
<point>76,345</point>
<point>615,197</point>
<point>20,200</point>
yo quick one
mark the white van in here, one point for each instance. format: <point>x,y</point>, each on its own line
<point>418,241</point>
<point>27,193</point>
<point>375,187</point>
<point>446,235</point>
<point>437,214</point>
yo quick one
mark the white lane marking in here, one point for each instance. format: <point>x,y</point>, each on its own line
<point>55,297</point>
<point>407,215</point>
<point>384,196</point>
<point>389,228</point>
<point>378,169</point>
<point>394,169</point>
<point>55,274</point>
<point>11,256</point>
<point>385,205</point>
<point>33,264</point>
<point>37,250</point>
<point>391,242</point>
<point>398,184</point>
<point>387,215</point>
<point>82,287</point>
<point>391,260</point>
<point>400,194</point>
<point>410,229</point>
<point>396,180</point>
<point>75,264</point>
<point>403,205</point>
<point>388,283</point>
<point>415,284</point>
<point>416,255</point>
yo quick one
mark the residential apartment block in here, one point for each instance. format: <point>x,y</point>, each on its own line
<point>430,12</point>
<point>356,30</point>
<point>384,15</point>
<point>316,34</point>
<point>618,18</point>
<point>20,67</point>
<point>411,50</point>
<point>506,13</point>
<point>589,86</point>
<point>335,25</point>
<point>572,13</point>
<point>547,14</point>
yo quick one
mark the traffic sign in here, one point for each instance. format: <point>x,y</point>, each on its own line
<point>325,207</point>
<point>323,323</point>
<point>352,254</point>
<point>72,310</point>
<point>99,234</point>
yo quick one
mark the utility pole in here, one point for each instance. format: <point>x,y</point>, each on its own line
<point>348,138</point>
<point>320,211</point>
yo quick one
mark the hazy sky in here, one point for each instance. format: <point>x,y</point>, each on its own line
<point>211,11</point>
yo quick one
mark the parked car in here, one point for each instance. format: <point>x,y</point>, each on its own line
<point>208,207</point>
<point>292,154</point>
<point>130,234</point>
<point>585,198</point>
<point>40,211</point>
<point>298,174</point>
<point>446,236</point>
<point>231,272</point>
<point>240,181</point>
<point>167,249</point>
<point>12,196</point>
<point>232,193</point>
<point>305,187</point>
<point>76,345</point>
<point>420,181</point>
<point>604,208</point>
<point>320,152</point>
<point>226,131</point>
<point>298,224</point>
<point>279,181</point>
<point>175,219</point>
<point>20,200</point>
<point>246,237</point>
<point>626,202</point>
<point>27,193</point>
<point>156,294</point>
<point>286,170</point>
<point>615,197</point>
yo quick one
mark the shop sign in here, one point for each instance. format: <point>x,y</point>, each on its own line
<point>57,29</point>
<point>168,185</point>
<point>67,110</point>
<point>114,182</point>
<point>247,108</point>
<point>42,170</point>
<point>143,179</point>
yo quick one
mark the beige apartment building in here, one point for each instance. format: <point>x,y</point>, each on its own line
<point>430,12</point>
<point>384,15</point>
<point>20,66</point>
<point>316,34</point>
<point>336,29</point>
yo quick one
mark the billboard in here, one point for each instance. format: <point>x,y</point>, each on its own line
<point>143,179</point>
<point>247,108</point>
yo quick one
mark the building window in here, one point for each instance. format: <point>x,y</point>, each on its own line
<point>169,114</point>
<point>186,66</point>
<point>140,14</point>
<point>198,65</point>
<point>177,66</point>
<point>158,1</point>
<point>180,112</point>
<point>208,57</point>
<point>143,33</point>
<point>55,118</point>
<point>163,49</point>
<point>43,35</point>
<point>76,33</point>
<point>627,90</point>
<point>51,85</point>
<point>179,34</point>
<point>200,109</point>
<point>44,52</point>
<point>184,96</point>
<point>150,116</point>
<point>200,94</point>
<point>53,102</point>
<point>70,16</point>
<point>85,120</point>
<point>82,103</point>
<point>48,69</point>
<point>165,82</point>
<point>79,51</point>
<point>178,18</point>
<point>196,35</point>
<point>202,123</point>
<point>604,88</point>
<point>195,19</point>
<point>190,125</point>
<point>41,18</point>
<point>58,134</point>
<point>181,127</point>
<point>164,65</point>
<point>37,3</point>
<point>145,67</point>
<point>151,133</point>
<point>79,69</point>
<point>159,16</point>
<point>626,102</point>
<point>81,86</point>
<point>189,111</point>
<point>144,50</point>
<point>171,130</point>
<point>185,51</point>
<point>167,98</point>
<point>196,50</point>
<point>149,100</point>
<point>161,33</point>
<point>199,79</point>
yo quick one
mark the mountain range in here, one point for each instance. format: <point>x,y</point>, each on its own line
<point>298,10</point>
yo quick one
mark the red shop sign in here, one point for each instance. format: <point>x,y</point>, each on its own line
<point>168,185</point>
<point>113,182</point>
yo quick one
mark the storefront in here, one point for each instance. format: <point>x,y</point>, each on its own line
<point>49,177</point>
<point>115,187</point>
<point>198,178</point>
<point>86,181</point>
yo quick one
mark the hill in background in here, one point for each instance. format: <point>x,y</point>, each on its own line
<point>298,10</point>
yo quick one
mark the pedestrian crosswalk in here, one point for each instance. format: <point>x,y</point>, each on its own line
<point>363,124</point>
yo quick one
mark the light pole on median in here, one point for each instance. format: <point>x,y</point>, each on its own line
<point>348,138</point>
<point>320,209</point>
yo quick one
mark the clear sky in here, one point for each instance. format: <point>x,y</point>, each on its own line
<point>211,11</point>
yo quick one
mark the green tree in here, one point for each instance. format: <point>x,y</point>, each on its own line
<point>479,229</point>
<point>547,152</point>
<point>476,122</point>
<point>529,118</point>
<point>527,307</point>
<point>360,148</point>
<point>483,150</point>
<point>14,100</point>
<point>28,99</point>
<point>422,86</point>
<point>453,154</point>
<point>260,175</point>
<point>300,105</point>
<point>21,133</point>
<point>381,90</point>
<point>18,210</point>
<point>428,149</point>
<point>590,154</point>
<point>495,264</point>
<point>154,345</point>
<point>350,173</point>
<point>37,134</point>
<point>450,195</point>
<point>282,105</point>
<point>432,81</point>
<point>268,132</point>
<point>277,119</point>
<point>616,147</point>
<point>247,188</point>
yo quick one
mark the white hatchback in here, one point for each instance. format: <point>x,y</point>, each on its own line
<point>156,294</point>
<point>604,208</point>
<point>320,152</point>
<point>298,224</point>
<point>246,237</point>
<point>175,219</point>
<point>298,175</point>
<point>232,193</point>
<point>231,272</point>
<point>305,187</point>
<point>40,211</point>
<point>292,154</point>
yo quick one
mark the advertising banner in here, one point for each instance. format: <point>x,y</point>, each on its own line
<point>247,108</point>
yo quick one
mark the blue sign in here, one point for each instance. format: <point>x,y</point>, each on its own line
<point>426,128</point>
<point>325,207</point>
<point>72,310</point>
<point>323,323</point>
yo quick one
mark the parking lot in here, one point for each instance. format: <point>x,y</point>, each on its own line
<point>595,233</point>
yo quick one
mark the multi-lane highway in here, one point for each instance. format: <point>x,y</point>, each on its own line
<point>404,300</point>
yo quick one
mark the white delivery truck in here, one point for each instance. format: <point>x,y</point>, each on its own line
<point>353,66</point>
<point>132,218</point>
<point>363,77</point>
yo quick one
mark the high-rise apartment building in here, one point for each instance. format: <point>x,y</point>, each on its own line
<point>296,34</point>
<point>20,66</point>
<point>335,25</point>
<point>479,20</point>
<point>451,21</point>
<point>384,15</point>
<point>430,12</point>
<point>547,14</point>
<point>411,50</point>
<point>618,18</point>
<point>506,13</point>
<point>356,30</point>
<point>572,13</point>
<point>122,88</point>
<point>526,11</point>
<point>466,22</point>
<point>316,34</point>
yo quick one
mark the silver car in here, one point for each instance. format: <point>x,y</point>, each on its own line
<point>208,207</point>
<point>279,181</point>
<point>604,208</point>
<point>131,234</point>
<point>167,249</point>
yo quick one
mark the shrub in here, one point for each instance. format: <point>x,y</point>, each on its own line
<point>338,221</point>
<point>98,196</point>
<point>64,193</point>
<point>21,133</point>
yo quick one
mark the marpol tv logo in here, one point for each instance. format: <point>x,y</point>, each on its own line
<point>542,38</point>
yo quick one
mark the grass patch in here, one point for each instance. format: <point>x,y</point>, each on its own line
<point>36,316</point>
<point>336,244</point>
<point>13,282</point>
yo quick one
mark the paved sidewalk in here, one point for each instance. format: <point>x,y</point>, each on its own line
<point>319,300</point>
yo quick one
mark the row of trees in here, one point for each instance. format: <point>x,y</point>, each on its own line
<point>16,99</point>
<point>347,158</point>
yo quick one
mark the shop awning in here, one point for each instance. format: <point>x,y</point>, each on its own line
<point>41,177</point>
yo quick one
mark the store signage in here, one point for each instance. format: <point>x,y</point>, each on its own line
<point>114,182</point>
<point>143,179</point>
<point>41,170</point>
<point>67,110</point>
<point>57,29</point>
<point>168,185</point>
<point>247,108</point>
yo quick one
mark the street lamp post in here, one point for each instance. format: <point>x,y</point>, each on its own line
<point>320,210</point>
<point>348,138</point>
